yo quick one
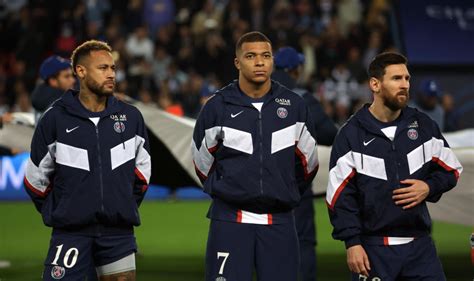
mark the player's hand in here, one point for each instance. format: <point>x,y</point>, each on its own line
<point>410,196</point>
<point>357,260</point>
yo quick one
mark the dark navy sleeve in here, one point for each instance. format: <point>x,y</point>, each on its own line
<point>40,167</point>
<point>446,168</point>
<point>342,194</point>
<point>307,162</point>
<point>206,138</point>
<point>142,160</point>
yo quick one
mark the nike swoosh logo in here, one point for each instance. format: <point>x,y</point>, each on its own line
<point>70,130</point>
<point>235,115</point>
<point>367,143</point>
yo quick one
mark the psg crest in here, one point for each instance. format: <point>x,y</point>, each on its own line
<point>57,272</point>
<point>119,127</point>
<point>412,134</point>
<point>282,112</point>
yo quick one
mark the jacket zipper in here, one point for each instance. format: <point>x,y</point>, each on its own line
<point>100,169</point>
<point>261,150</point>
<point>397,177</point>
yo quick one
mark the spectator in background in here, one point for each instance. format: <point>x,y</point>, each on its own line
<point>66,41</point>
<point>448,103</point>
<point>4,150</point>
<point>428,100</point>
<point>22,98</point>
<point>139,45</point>
<point>209,17</point>
<point>339,89</point>
<point>158,13</point>
<point>57,77</point>
<point>288,70</point>
<point>323,30</point>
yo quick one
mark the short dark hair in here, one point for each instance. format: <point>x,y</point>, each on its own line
<point>253,36</point>
<point>381,61</point>
<point>84,50</point>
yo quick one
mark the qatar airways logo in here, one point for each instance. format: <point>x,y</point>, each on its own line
<point>462,16</point>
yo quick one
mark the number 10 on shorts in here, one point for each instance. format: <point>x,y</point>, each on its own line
<point>72,251</point>
<point>224,255</point>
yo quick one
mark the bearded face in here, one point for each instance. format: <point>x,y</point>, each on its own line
<point>99,76</point>
<point>393,88</point>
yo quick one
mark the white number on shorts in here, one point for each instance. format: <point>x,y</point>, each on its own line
<point>225,255</point>
<point>66,256</point>
<point>58,252</point>
<point>74,257</point>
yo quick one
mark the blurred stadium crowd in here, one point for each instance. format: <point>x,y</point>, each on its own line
<point>174,54</point>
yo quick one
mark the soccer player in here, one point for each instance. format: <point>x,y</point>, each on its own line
<point>88,173</point>
<point>387,161</point>
<point>288,66</point>
<point>254,149</point>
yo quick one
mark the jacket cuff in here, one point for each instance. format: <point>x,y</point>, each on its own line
<point>434,195</point>
<point>352,241</point>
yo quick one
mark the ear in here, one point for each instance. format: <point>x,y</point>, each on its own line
<point>80,71</point>
<point>237,63</point>
<point>53,82</point>
<point>374,84</point>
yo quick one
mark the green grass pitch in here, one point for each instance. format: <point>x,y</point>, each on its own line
<point>172,242</point>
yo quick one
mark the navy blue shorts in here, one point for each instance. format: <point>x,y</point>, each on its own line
<point>234,250</point>
<point>415,261</point>
<point>70,257</point>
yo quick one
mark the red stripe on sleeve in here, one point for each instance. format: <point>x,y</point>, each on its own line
<point>140,175</point>
<point>34,189</point>
<point>200,174</point>
<point>446,167</point>
<point>239,216</point>
<point>307,174</point>
<point>270,219</point>
<point>213,149</point>
<point>341,188</point>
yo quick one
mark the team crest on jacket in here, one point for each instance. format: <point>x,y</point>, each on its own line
<point>58,272</point>
<point>282,112</point>
<point>119,127</point>
<point>412,134</point>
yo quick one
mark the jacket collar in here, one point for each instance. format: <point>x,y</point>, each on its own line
<point>70,102</point>
<point>366,119</point>
<point>232,93</point>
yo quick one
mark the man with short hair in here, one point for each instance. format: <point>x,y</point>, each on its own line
<point>288,68</point>
<point>254,150</point>
<point>387,161</point>
<point>88,173</point>
<point>57,77</point>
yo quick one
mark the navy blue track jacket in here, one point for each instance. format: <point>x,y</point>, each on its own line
<point>86,178</point>
<point>366,167</point>
<point>254,163</point>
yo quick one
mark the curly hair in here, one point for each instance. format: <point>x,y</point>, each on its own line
<point>84,50</point>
